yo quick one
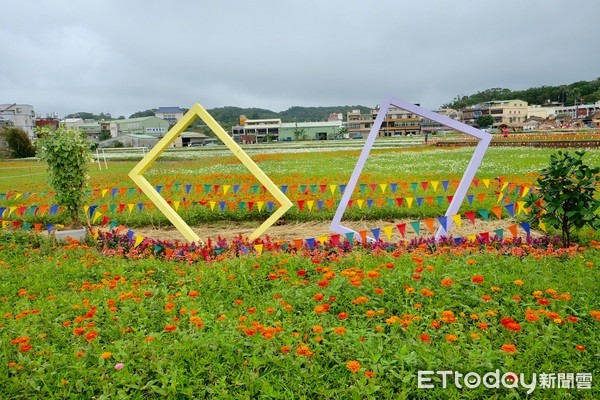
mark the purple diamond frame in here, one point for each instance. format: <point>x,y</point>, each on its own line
<point>484,142</point>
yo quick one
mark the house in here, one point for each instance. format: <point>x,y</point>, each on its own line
<point>152,126</point>
<point>397,122</point>
<point>20,115</point>
<point>171,114</point>
<point>75,123</point>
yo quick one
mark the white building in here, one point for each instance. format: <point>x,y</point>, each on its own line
<point>21,115</point>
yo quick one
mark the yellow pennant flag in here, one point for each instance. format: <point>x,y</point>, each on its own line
<point>542,226</point>
<point>5,224</point>
<point>18,195</point>
<point>86,208</point>
<point>360,203</point>
<point>226,188</point>
<point>409,201</point>
<point>138,239</point>
<point>258,248</point>
<point>332,188</point>
<point>472,238</point>
<point>260,205</point>
<point>95,233</point>
<point>383,186</point>
<point>11,210</point>
<point>486,182</point>
<point>434,185</point>
<point>104,191</point>
<point>323,239</point>
<point>176,204</point>
<point>97,215</point>
<point>520,206</point>
<point>212,205</point>
<point>504,185</point>
<point>310,204</point>
<point>457,220</point>
<point>525,191</point>
<point>388,231</point>
<point>130,207</point>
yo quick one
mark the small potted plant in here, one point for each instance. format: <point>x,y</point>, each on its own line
<point>68,155</point>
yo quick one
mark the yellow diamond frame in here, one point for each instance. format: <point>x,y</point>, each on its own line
<point>136,174</point>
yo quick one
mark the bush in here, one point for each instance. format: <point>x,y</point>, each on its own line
<point>566,197</point>
<point>18,142</point>
<point>68,156</point>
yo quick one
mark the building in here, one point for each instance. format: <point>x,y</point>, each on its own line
<point>92,129</point>
<point>171,114</point>
<point>324,130</point>
<point>397,122</point>
<point>543,112</point>
<point>74,123</point>
<point>21,116</point>
<point>51,121</point>
<point>256,130</point>
<point>579,111</point>
<point>508,111</point>
<point>191,139</point>
<point>152,126</point>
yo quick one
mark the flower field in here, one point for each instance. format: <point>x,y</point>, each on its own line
<point>119,316</point>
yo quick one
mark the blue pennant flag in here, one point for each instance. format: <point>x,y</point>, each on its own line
<point>270,205</point>
<point>2,209</point>
<point>188,188</point>
<point>130,234</point>
<point>113,192</point>
<point>443,222</point>
<point>92,209</point>
<point>53,209</point>
<point>393,186</point>
<point>311,243</point>
<point>470,199</point>
<point>419,201</point>
<point>140,206</point>
<point>49,227</point>
<point>376,233</point>
<point>342,188</point>
<point>236,188</point>
<point>457,240</point>
<point>222,205</point>
<point>445,185</point>
<point>158,188</point>
<point>369,203</point>
<point>526,227</point>
<point>320,205</point>
<point>511,209</point>
<point>284,188</point>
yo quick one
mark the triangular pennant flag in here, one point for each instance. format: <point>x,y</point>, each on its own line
<point>520,207</point>
<point>416,225</point>
<point>363,187</point>
<point>499,233</point>
<point>130,234</point>
<point>323,239</point>
<point>542,226</point>
<point>53,209</point>
<point>424,185</point>
<point>409,201</point>
<point>443,222</point>
<point>401,229</point>
<point>419,201</point>
<point>440,200</point>
<point>158,188</point>
<point>284,188</point>
<point>242,205</point>
<point>320,205</point>
<point>310,204</point>
<point>471,216</point>
<point>363,235</point>
<point>332,188</point>
<point>429,200</point>
<point>511,209</point>
<point>470,199</point>
<point>485,236</point>
<point>270,205</point>
<point>414,186</point>
<point>342,189</point>
<point>258,248</point>
<point>113,192</point>
<point>471,238</point>
<point>301,204</point>
<point>526,227</point>
<point>98,215</point>
<point>360,203</point>
<point>298,243</point>
<point>445,185</point>
<point>369,203</point>
<point>399,200</point>
<point>260,205</point>
<point>449,198</point>
<point>226,188</point>
<point>376,233</point>
<point>212,205</point>
<point>176,204</point>
<point>476,182</point>
<point>512,229</point>
<point>383,186</point>
<point>236,188</point>
<point>486,182</point>
<point>138,239</point>
<point>457,220</point>
<point>350,236</point>
<point>388,231</point>
<point>322,188</point>
<point>434,185</point>
<point>311,243</point>
<point>104,191</point>
<point>335,239</point>
<point>481,197</point>
<point>497,210</point>
<point>393,187</point>
<point>130,207</point>
<point>207,188</point>
<point>504,185</point>
<point>484,214</point>
<point>140,206</point>
<point>187,190</point>
<point>379,202</point>
<point>429,224</point>
<point>250,205</point>
<point>373,187</point>
<point>303,189</point>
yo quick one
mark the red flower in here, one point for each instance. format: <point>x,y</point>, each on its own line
<point>301,273</point>
<point>91,335</point>
<point>425,338</point>
<point>343,316</point>
<point>477,279</point>
<point>170,328</point>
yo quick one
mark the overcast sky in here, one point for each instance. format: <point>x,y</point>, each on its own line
<point>127,55</point>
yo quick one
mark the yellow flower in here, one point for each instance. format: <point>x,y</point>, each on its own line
<point>106,355</point>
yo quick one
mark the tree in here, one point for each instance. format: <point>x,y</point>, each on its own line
<point>565,198</point>
<point>146,113</point>
<point>299,134</point>
<point>485,121</point>
<point>68,156</point>
<point>18,142</point>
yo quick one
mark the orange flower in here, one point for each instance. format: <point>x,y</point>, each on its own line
<point>320,309</point>
<point>425,338</point>
<point>193,293</point>
<point>519,282</point>
<point>285,349</point>
<point>319,296</point>
<point>427,293</point>
<point>478,279</point>
<point>106,355</point>
<point>342,316</point>
<point>451,338</point>
<point>339,330</point>
<point>78,331</point>
<point>580,347</point>
<point>447,282</point>
<point>304,350</point>
<point>531,317</point>
<point>170,328</point>
<point>571,318</point>
<point>483,326</point>
<point>24,348</point>
<point>470,261</point>
<point>91,335</point>
<point>149,338</point>
<point>317,329</point>
<point>369,374</point>
<point>353,366</point>
<point>486,297</point>
<point>370,313</point>
<point>509,348</point>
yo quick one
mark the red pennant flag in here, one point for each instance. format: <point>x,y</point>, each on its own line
<point>335,239</point>
<point>105,220</point>
<point>424,185</point>
<point>350,203</point>
<point>449,198</point>
<point>121,208</point>
<point>168,252</point>
<point>301,204</point>
<point>476,182</point>
<point>323,188</point>
<point>399,200</point>
<point>363,235</point>
<point>21,210</point>
<point>216,188</point>
<point>485,236</point>
<point>373,187</point>
<point>471,216</point>
<point>401,229</point>
<point>250,205</point>
<point>16,223</point>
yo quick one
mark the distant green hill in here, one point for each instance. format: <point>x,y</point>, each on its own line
<point>582,91</point>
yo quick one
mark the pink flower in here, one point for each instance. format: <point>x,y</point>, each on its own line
<point>119,366</point>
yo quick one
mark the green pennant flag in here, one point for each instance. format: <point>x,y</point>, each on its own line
<point>484,214</point>
<point>350,236</point>
<point>416,225</point>
<point>499,233</point>
<point>414,186</point>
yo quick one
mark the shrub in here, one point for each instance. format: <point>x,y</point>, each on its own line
<point>18,142</point>
<point>68,156</point>
<point>566,196</point>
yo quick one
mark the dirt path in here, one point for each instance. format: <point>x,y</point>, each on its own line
<point>303,230</point>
